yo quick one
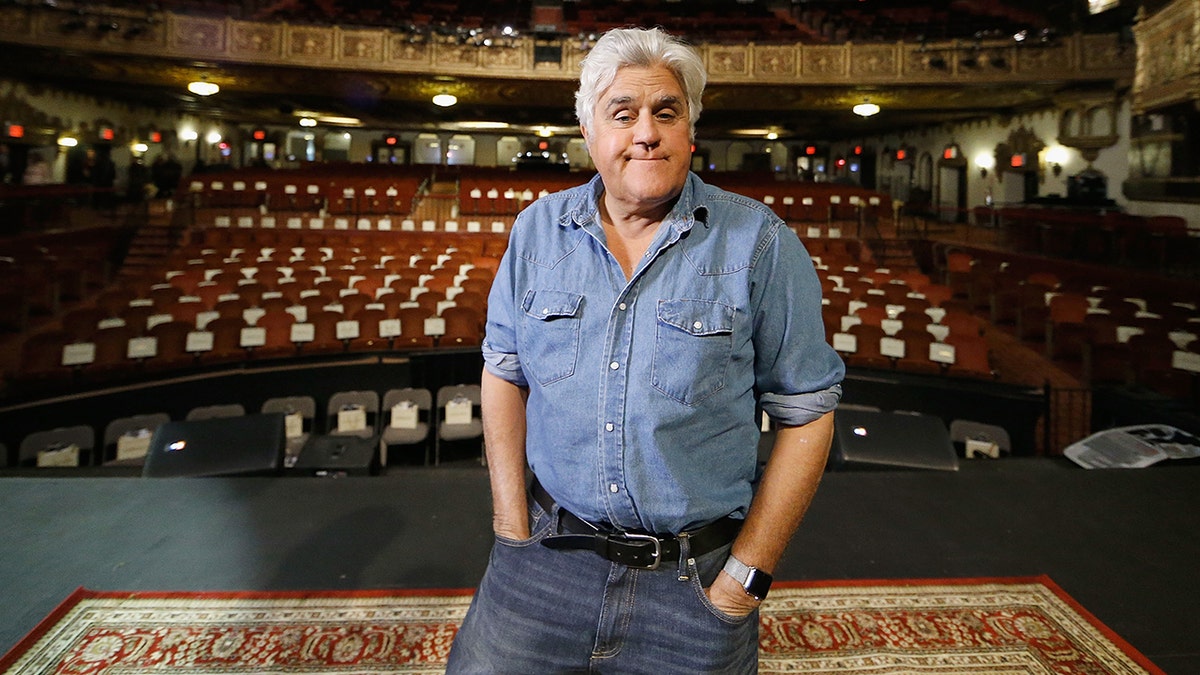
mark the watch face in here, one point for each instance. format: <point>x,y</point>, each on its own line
<point>758,583</point>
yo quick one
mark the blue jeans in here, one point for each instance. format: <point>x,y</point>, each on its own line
<point>540,610</point>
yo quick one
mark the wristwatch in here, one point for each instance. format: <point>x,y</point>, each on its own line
<point>755,581</point>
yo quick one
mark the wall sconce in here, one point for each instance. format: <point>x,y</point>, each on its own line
<point>444,100</point>
<point>986,162</point>
<point>1056,156</point>
<point>68,142</point>
<point>188,135</point>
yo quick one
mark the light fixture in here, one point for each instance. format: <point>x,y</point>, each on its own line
<point>139,147</point>
<point>445,100</point>
<point>307,122</point>
<point>188,135</point>
<point>985,161</point>
<point>865,109</point>
<point>1056,156</point>
<point>203,87</point>
<point>213,137</point>
<point>68,142</point>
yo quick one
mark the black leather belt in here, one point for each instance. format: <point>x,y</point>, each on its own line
<point>633,549</point>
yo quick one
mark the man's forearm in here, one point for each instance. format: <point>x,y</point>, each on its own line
<point>503,409</point>
<point>788,485</point>
<point>784,494</point>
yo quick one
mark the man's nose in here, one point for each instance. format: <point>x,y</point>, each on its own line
<point>646,131</point>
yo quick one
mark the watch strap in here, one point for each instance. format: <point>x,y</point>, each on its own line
<point>754,581</point>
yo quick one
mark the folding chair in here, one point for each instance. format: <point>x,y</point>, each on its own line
<point>458,416</point>
<point>405,421</point>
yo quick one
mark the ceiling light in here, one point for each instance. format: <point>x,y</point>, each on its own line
<point>203,88</point>
<point>483,124</point>
<point>445,100</point>
<point>865,109</point>
<point>307,122</point>
<point>68,142</point>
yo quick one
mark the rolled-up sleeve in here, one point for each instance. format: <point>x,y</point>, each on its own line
<point>499,347</point>
<point>797,373</point>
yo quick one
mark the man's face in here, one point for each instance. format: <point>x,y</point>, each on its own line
<point>640,140</point>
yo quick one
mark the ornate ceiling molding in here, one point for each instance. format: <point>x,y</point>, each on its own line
<point>227,40</point>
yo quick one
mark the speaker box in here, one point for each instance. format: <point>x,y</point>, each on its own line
<point>247,445</point>
<point>338,455</point>
<point>869,439</point>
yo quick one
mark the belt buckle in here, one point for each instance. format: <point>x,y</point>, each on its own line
<point>657,549</point>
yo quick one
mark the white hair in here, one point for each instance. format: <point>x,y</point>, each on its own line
<point>644,48</point>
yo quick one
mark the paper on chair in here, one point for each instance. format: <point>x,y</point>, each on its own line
<point>458,411</point>
<point>405,415</point>
<point>352,418</point>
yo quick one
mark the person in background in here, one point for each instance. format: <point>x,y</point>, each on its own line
<point>635,326</point>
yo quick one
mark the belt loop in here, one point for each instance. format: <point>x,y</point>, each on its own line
<point>685,556</point>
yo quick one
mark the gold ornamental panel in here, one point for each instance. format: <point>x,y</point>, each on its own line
<point>775,61</point>
<point>408,55</point>
<point>255,39</point>
<point>728,61</point>
<point>309,43</point>
<point>361,47</point>
<point>874,62</point>
<point>824,62</point>
<point>193,34</point>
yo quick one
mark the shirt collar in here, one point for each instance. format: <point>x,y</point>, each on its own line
<point>691,207</point>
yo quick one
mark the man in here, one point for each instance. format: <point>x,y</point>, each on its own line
<point>633,326</point>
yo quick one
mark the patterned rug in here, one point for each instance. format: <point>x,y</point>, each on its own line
<point>993,626</point>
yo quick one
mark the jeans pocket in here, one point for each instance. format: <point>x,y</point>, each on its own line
<point>540,523</point>
<point>693,343</point>
<point>702,572</point>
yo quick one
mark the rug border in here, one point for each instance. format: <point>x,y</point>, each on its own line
<point>9,658</point>
<point>1044,579</point>
<point>79,594</point>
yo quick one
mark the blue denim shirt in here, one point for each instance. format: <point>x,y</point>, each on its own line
<point>641,409</point>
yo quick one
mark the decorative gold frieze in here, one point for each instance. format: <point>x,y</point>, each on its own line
<point>824,61</point>
<point>408,54</point>
<point>253,39</point>
<point>874,61</point>
<point>308,43</point>
<point>198,34</point>
<point>728,61</point>
<point>502,57</point>
<point>772,61</point>
<point>1034,61</point>
<point>361,46</point>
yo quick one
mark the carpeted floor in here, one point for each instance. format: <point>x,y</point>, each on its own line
<point>919,627</point>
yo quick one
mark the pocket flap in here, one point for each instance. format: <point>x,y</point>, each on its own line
<point>697,317</point>
<point>547,304</point>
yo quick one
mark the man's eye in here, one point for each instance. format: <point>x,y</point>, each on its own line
<point>623,118</point>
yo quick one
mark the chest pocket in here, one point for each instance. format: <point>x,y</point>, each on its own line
<point>693,344</point>
<point>550,345</point>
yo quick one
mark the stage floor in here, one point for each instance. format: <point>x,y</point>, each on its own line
<point>1123,543</point>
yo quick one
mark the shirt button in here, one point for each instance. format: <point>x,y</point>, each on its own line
<point>612,487</point>
<point>545,310</point>
<point>621,307</point>
<point>697,325</point>
<point>609,426</point>
<point>614,365</point>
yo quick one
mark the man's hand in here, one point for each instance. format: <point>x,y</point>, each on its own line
<point>507,528</point>
<point>727,595</point>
